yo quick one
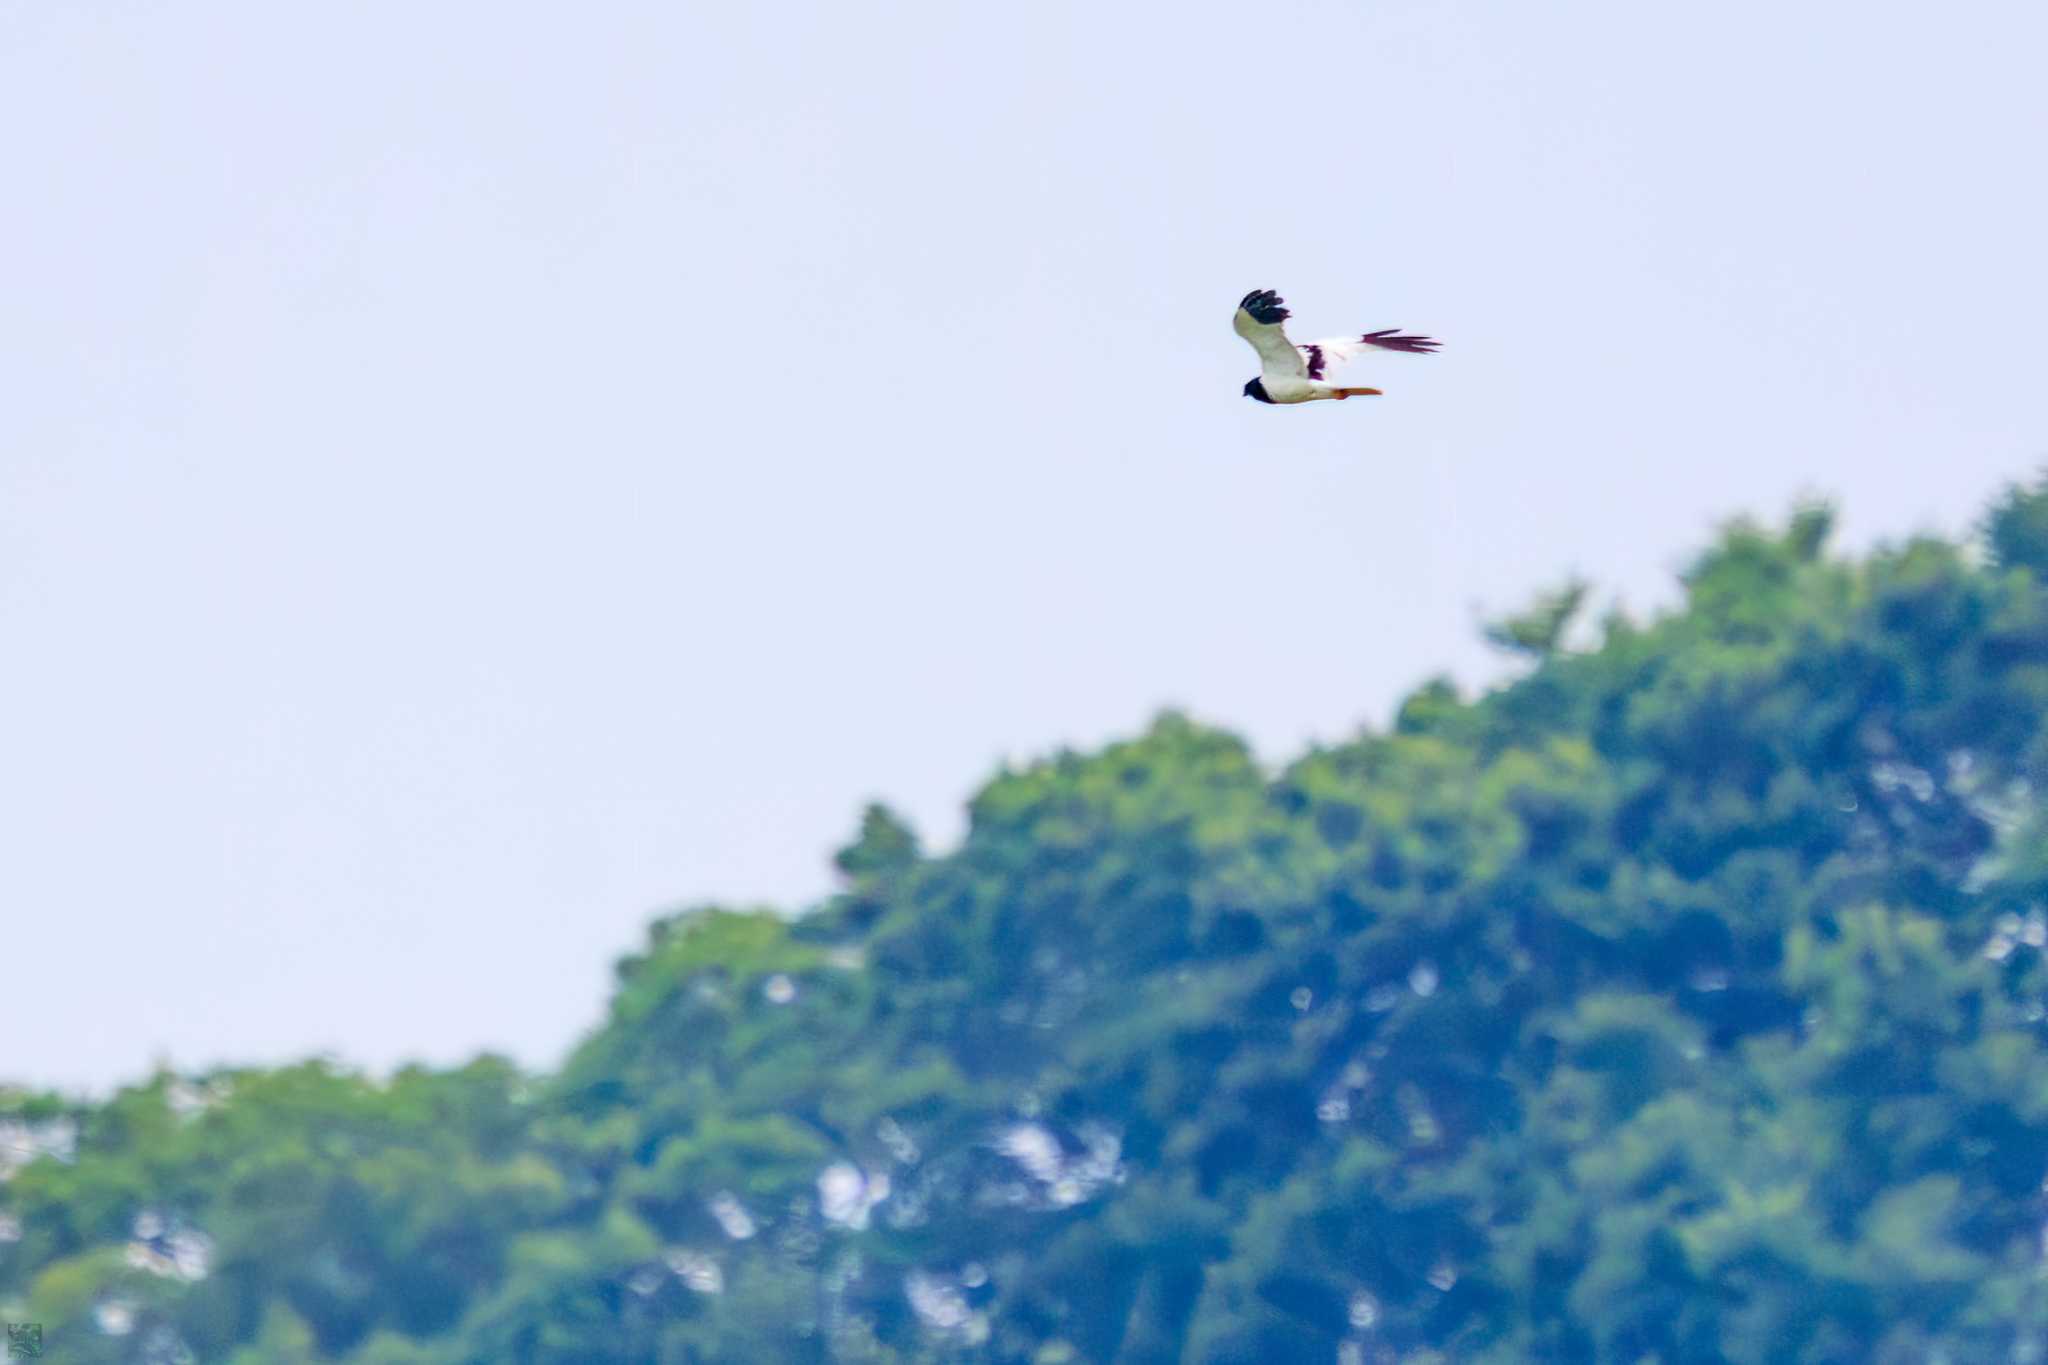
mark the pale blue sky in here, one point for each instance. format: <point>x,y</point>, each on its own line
<point>474,475</point>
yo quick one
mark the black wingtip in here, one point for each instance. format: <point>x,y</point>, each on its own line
<point>1265,306</point>
<point>1391,339</point>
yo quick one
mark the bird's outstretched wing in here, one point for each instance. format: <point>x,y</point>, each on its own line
<point>1258,320</point>
<point>1332,351</point>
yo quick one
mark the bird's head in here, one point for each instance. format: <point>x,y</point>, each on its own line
<point>1257,389</point>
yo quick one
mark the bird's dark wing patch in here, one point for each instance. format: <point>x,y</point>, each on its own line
<point>1392,339</point>
<point>1265,306</point>
<point>1315,360</point>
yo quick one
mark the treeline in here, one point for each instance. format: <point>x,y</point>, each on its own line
<point>1681,1001</point>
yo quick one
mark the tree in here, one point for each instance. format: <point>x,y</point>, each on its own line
<point>1682,1000</point>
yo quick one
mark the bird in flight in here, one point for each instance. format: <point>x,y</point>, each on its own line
<point>1294,374</point>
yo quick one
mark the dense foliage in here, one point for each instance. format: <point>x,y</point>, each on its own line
<point>1681,1001</point>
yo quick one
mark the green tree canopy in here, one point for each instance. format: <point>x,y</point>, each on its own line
<point>1682,1000</point>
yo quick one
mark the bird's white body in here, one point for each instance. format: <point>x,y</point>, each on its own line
<point>1292,388</point>
<point>1294,374</point>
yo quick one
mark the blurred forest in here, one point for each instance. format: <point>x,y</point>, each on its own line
<point>1681,1000</point>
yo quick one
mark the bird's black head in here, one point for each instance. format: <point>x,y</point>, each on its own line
<point>1257,389</point>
